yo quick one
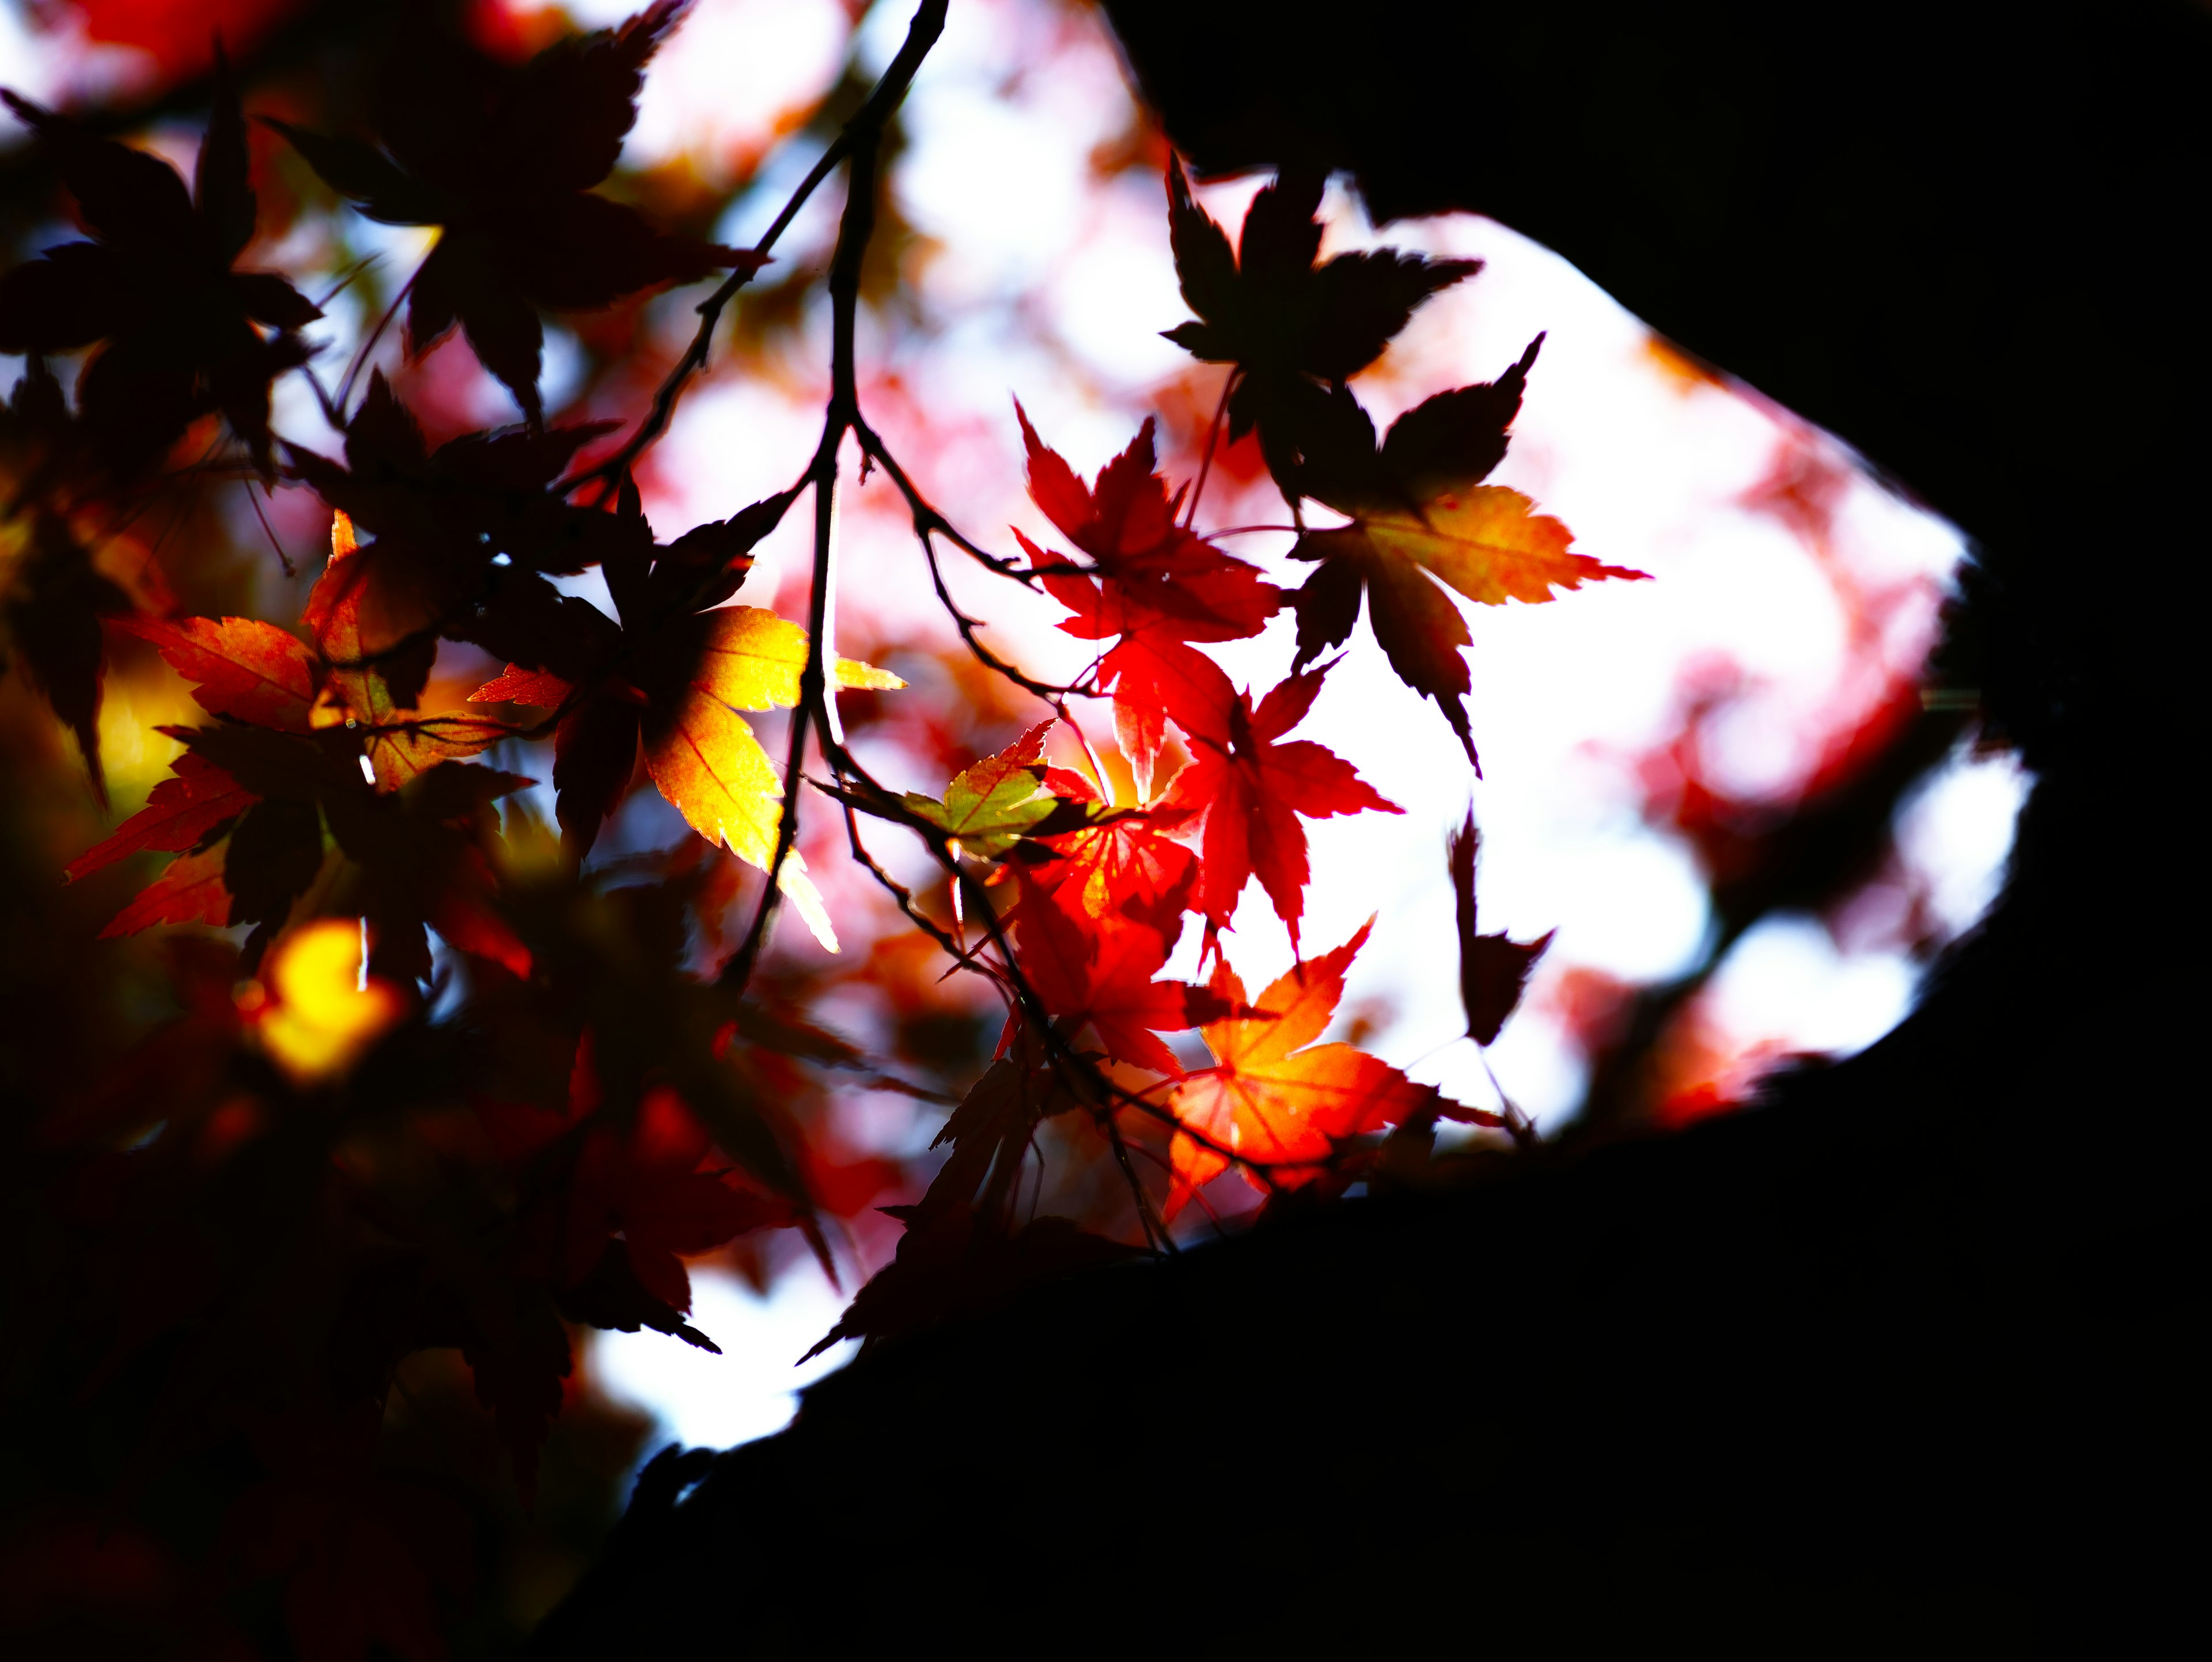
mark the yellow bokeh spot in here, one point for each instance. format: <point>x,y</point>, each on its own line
<point>314,1009</point>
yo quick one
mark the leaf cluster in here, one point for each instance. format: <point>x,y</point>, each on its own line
<point>442,1079</point>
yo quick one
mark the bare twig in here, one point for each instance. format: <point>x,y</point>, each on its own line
<point>361,356</point>
<point>864,132</point>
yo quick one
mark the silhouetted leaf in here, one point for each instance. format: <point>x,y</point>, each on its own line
<point>502,161</point>
<point>1285,323</point>
<point>184,332</point>
<point>1492,970</point>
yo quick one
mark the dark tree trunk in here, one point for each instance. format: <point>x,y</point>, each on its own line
<point>1893,1364</point>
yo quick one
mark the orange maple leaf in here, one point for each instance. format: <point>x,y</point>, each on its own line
<point>1280,1110</point>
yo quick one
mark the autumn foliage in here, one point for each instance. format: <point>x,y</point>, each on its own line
<point>442,1081</point>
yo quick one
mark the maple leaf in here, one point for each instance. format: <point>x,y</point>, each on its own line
<point>408,858</point>
<point>243,668</point>
<point>1420,517</point>
<point>650,1191</point>
<point>183,331</point>
<point>190,889</point>
<point>360,693</point>
<point>990,1131</point>
<point>179,813</point>
<point>503,162</point>
<point>54,611</point>
<point>462,536</point>
<point>1103,977</point>
<point>1251,788</point>
<point>1287,323</point>
<point>1271,1102</point>
<point>1157,586</point>
<point>255,672</point>
<point>992,804</point>
<point>1121,865</point>
<point>1492,970</point>
<point>703,756</point>
<point>679,680</point>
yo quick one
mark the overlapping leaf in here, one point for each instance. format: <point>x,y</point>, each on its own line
<point>1100,973</point>
<point>1157,587</point>
<point>461,537</point>
<point>1287,324</point>
<point>183,333</point>
<point>992,804</point>
<point>1251,787</point>
<point>1273,1097</point>
<point>503,162</point>
<point>1420,512</point>
<point>1121,865</point>
<point>677,680</point>
<point>653,1192</point>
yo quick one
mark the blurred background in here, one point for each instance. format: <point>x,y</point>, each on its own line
<point>1723,788</point>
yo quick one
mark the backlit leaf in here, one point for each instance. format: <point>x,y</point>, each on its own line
<point>703,756</point>
<point>990,805</point>
<point>178,813</point>
<point>242,668</point>
<point>1250,787</point>
<point>1268,1101</point>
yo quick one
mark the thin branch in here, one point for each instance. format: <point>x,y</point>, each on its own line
<point>928,516</point>
<point>864,132</point>
<point>968,627</point>
<point>361,356</point>
<point>270,530</point>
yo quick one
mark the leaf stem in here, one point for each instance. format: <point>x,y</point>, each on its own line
<point>1205,462</point>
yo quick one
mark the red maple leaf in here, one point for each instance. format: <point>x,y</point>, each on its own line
<point>652,1190</point>
<point>243,668</point>
<point>1126,866</point>
<point>1158,587</point>
<point>179,813</point>
<point>1251,788</point>
<point>1103,976</point>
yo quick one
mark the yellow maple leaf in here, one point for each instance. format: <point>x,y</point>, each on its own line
<point>701,753</point>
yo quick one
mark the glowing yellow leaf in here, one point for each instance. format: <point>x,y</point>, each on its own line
<point>750,660</point>
<point>704,758</point>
